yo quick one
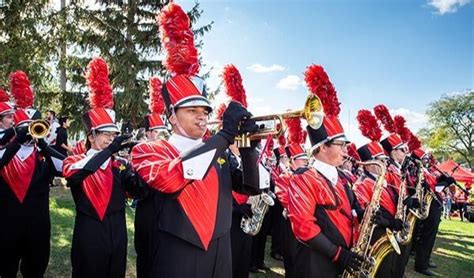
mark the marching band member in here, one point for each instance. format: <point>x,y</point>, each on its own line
<point>6,119</point>
<point>26,167</point>
<point>192,179</point>
<point>298,160</point>
<point>145,211</point>
<point>364,188</point>
<point>99,182</point>
<point>428,228</point>
<point>321,204</point>
<point>397,152</point>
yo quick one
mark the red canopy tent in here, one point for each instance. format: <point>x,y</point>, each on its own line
<point>458,172</point>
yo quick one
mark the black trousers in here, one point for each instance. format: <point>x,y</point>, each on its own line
<point>174,257</point>
<point>99,248</point>
<point>259,241</point>
<point>241,248</point>
<point>276,227</point>
<point>388,264</point>
<point>310,263</point>
<point>427,236</point>
<point>25,242</point>
<point>289,247</point>
<point>143,240</point>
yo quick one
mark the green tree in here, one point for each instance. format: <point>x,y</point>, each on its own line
<point>451,127</point>
<point>124,33</point>
<point>27,43</point>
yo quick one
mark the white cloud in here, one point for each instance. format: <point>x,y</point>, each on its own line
<point>258,68</point>
<point>414,120</point>
<point>447,6</point>
<point>291,83</point>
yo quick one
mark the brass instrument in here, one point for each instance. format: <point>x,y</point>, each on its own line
<point>312,112</point>
<point>260,205</point>
<point>38,129</point>
<point>424,196</point>
<point>374,253</point>
<point>404,236</point>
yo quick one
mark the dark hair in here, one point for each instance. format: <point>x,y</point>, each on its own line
<point>52,112</point>
<point>62,120</point>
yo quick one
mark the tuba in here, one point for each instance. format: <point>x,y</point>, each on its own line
<point>260,205</point>
<point>374,253</point>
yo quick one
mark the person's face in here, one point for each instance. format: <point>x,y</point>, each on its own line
<point>7,121</point>
<point>101,140</point>
<point>152,134</point>
<point>302,162</point>
<point>334,153</point>
<point>67,123</point>
<point>399,154</point>
<point>193,121</point>
<point>347,165</point>
<point>49,115</point>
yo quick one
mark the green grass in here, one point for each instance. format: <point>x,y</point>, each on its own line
<point>453,253</point>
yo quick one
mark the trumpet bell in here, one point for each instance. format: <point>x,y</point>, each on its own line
<point>313,112</point>
<point>38,129</point>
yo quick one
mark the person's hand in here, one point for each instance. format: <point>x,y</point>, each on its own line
<point>22,135</point>
<point>380,220</point>
<point>117,144</point>
<point>396,225</point>
<point>411,203</point>
<point>231,120</point>
<point>349,261</point>
<point>244,209</point>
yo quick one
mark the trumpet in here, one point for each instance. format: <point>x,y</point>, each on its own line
<point>38,129</point>
<point>312,112</point>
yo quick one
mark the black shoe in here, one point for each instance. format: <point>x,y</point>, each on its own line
<point>432,265</point>
<point>277,256</point>
<point>426,272</point>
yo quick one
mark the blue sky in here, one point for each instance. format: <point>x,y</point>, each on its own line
<point>404,54</point>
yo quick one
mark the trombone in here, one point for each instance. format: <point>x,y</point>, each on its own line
<point>312,112</point>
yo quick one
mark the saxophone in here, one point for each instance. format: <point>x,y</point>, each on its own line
<point>260,205</point>
<point>373,254</point>
<point>425,196</point>
<point>409,218</point>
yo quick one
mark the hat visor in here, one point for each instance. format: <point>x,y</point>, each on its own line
<point>110,128</point>
<point>194,102</point>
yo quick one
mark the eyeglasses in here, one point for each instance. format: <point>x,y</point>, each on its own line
<point>343,144</point>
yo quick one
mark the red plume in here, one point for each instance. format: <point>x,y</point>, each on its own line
<point>21,90</point>
<point>220,111</point>
<point>401,129</point>
<point>157,105</point>
<point>178,40</point>
<point>413,143</point>
<point>382,113</point>
<point>319,84</point>
<point>233,84</point>
<point>368,125</point>
<point>352,151</point>
<point>295,131</point>
<point>269,150</point>
<point>100,91</point>
<point>4,97</point>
